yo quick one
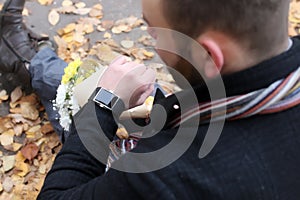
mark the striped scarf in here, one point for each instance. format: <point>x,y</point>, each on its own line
<point>279,96</point>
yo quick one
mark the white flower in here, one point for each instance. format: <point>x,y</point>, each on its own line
<point>61,94</point>
<point>64,119</point>
<point>74,105</point>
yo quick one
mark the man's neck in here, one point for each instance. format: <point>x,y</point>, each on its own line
<point>238,60</point>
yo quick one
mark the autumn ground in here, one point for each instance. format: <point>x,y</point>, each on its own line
<point>100,29</point>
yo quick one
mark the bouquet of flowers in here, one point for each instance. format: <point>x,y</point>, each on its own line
<point>75,73</point>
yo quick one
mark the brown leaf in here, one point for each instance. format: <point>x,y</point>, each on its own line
<point>29,111</point>
<point>47,128</point>
<point>30,151</point>
<point>107,24</point>
<point>5,124</point>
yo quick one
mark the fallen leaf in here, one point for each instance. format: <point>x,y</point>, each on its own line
<point>107,24</point>
<point>19,157</point>
<point>16,147</point>
<point>122,133</point>
<point>69,28</point>
<point>82,11</point>
<point>42,169</point>
<point>78,37</point>
<point>116,30</point>
<point>16,94</point>
<point>45,2</point>
<point>66,9</point>
<point>8,162</point>
<point>8,184</point>
<point>98,6</point>
<point>25,12</point>
<point>29,111</point>
<point>80,5</point>
<point>18,129</point>
<point>5,124</point>
<point>97,13</point>
<point>30,151</point>
<point>53,17</point>
<point>21,168</point>
<point>47,128</point>
<point>127,44</point>
<point>3,95</point>
<point>33,132</point>
<point>89,28</point>
<point>100,28</point>
<point>7,137</point>
<point>107,35</point>
<point>67,3</point>
<point>149,54</point>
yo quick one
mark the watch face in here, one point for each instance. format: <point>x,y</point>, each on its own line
<point>108,100</point>
<point>105,97</point>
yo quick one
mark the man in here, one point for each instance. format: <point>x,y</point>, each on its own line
<point>256,156</point>
<point>18,44</point>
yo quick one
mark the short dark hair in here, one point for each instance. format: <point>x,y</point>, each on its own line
<point>259,21</point>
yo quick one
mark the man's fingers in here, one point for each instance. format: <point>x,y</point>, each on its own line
<point>148,76</point>
<point>136,69</point>
<point>147,92</point>
<point>120,60</point>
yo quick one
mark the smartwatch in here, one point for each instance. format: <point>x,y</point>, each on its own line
<point>108,100</point>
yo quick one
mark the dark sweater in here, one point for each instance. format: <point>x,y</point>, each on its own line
<point>255,158</point>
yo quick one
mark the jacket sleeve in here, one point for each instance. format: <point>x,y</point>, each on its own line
<point>76,173</point>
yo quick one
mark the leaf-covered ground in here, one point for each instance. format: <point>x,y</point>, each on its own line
<point>28,144</point>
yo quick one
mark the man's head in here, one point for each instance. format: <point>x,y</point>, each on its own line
<point>235,33</point>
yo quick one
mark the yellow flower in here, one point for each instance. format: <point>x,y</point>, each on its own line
<point>71,71</point>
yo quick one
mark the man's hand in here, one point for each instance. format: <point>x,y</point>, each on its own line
<point>131,81</point>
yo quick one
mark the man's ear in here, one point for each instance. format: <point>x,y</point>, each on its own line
<point>214,60</point>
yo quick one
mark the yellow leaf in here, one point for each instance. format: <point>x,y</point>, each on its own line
<point>22,168</point>
<point>45,2</point>
<point>107,35</point>
<point>69,28</point>
<point>19,157</point>
<point>149,54</point>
